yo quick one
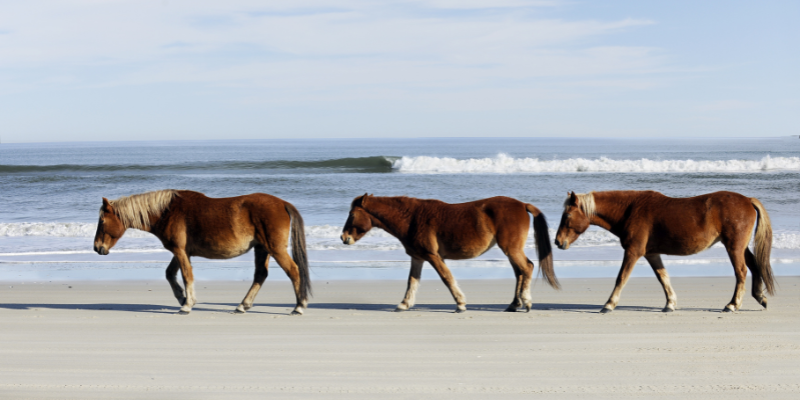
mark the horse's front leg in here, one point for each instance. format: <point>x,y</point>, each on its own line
<point>449,281</point>
<point>413,283</point>
<point>628,261</point>
<point>172,274</point>
<point>663,277</point>
<point>188,281</point>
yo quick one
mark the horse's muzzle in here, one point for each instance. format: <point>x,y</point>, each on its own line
<point>562,245</point>
<point>347,239</point>
<point>102,250</point>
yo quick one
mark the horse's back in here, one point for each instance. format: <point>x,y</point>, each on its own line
<point>683,226</point>
<point>718,205</point>
<point>484,213</point>
<point>229,226</point>
<point>466,230</point>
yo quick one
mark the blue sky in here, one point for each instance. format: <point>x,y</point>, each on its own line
<point>146,70</point>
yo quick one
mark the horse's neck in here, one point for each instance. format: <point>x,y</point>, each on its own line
<point>388,216</point>
<point>610,210</point>
<point>152,226</point>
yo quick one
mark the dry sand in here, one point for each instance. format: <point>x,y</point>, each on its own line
<point>122,339</point>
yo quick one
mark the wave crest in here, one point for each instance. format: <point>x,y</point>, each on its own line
<point>504,164</point>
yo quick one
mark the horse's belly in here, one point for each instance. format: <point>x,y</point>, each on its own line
<point>466,252</point>
<point>224,250</point>
<point>684,247</point>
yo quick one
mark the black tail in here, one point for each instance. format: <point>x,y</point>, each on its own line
<point>299,254</point>
<point>543,250</point>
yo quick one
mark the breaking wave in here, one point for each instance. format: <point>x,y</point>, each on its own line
<point>501,164</point>
<point>504,164</point>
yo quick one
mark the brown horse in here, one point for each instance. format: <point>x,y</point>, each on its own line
<point>191,224</point>
<point>432,231</point>
<point>650,224</point>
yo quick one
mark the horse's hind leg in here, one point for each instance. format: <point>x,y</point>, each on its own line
<point>172,275</point>
<point>663,278</point>
<point>516,302</point>
<point>293,272</point>
<point>449,281</point>
<point>523,269</point>
<point>413,283</point>
<point>758,283</point>
<point>736,254</point>
<point>260,275</point>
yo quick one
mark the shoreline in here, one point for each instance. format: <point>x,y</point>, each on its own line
<point>234,271</point>
<point>122,339</point>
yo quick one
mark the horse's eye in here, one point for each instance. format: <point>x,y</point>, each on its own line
<point>569,215</point>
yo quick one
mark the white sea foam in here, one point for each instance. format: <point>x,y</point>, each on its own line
<point>333,232</point>
<point>57,229</point>
<point>326,237</point>
<point>74,252</point>
<point>504,164</point>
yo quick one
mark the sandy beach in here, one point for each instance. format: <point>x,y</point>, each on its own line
<point>123,339</point>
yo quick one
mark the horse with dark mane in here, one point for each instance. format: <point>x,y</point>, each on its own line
<point>649,224</point>
<point>432,231</point>
<point>190,224</point>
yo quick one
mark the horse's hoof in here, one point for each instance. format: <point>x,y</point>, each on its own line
<point>763,303</point>
<point>398,309</point>
<point>295,312</point>
<point>460,310</point>
<point>605,310</point>
<point>183,312</point>
<point>726,309</point>
<point>510,309</point>
<point>239,311</point>
<point>527,308</point>
<point>667,309</point>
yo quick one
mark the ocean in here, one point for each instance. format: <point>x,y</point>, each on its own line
<point>50,194</point>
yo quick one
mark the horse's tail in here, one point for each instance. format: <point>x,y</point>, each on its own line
<point>543,250</point>
<point>299,254</point>
<point>763,245</point>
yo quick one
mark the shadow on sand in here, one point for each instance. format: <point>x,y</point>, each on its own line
<point>286,308</point>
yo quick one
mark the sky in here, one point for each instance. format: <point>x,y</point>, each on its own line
<point>96,70</point>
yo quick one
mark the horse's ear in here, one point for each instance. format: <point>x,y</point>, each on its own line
<point>573,199</point>
<point>106,203</point>
<point>364,199</point>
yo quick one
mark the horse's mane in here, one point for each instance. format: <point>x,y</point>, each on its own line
<point>134,211</point>
<point>585,202</point>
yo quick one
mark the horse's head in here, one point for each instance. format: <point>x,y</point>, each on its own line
<point>358,221</point>
<point>109,229</point>
<point>574,222</point>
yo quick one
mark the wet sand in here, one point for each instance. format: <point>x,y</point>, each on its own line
<point>123,339</point>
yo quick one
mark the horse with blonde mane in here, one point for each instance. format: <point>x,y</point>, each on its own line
<point>649,224</point>
<point>190,224</point>
<point>432,231</point>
